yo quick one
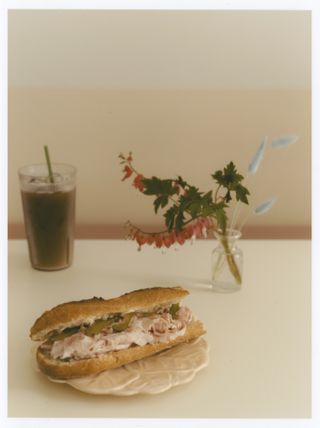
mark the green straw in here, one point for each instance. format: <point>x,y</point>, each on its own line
<point>46,152</point>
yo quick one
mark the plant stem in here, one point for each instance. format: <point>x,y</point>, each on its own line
<point>216,194</point>
<point>46,152</point>
<point>235,214</point>
<point>129,224</point>
<point>230,259</point>
<point>243,222</point>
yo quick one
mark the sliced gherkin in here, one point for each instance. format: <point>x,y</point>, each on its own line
<point>145,314</point>
<point>69,331</point>
<point>98,325</point>
<point>121,326</point>
<point>174,309</point>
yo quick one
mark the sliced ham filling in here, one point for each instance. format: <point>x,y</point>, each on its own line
<point>142,330</point>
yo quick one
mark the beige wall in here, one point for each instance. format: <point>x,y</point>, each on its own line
<point>186,91</point>
<point>191,133</point>
<point>160,49</point>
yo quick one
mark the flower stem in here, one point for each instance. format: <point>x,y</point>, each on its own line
<point>243,222</point>
<point>216,194</point>
<point>230,259</point>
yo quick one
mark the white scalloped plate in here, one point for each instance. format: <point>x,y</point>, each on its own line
<point>151,375</point>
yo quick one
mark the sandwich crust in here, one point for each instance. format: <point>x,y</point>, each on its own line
<point>59,369</point>
<point>75,313</point>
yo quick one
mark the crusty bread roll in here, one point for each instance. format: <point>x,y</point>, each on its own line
<point>72,313</point>
<point>86,312</point>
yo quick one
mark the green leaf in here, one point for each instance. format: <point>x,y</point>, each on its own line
<point>228,177</point>
<point>241,194</point>
<point>227,196</point>
<point>161,201</point>
<point>193,192</point>
<point>156,186</point>
<point>221,219</point>
<point>169,216</point>
<point>230,174</point>
<point>218,176</point>
<point>151,186</point>
<point>194,208</point>
<point>208,196</point>
<point>181,182</point>
<point>231,181</point>
<point>179,220</point>
<point>208,211</point>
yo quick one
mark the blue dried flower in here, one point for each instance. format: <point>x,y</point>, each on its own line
<point>284,141</point>
<point>255,163</point>
<point>264,207</point>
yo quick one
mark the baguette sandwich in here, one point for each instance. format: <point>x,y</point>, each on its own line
<point>85,337</point>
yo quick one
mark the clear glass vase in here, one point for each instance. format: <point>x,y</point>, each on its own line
<point>227,262</point>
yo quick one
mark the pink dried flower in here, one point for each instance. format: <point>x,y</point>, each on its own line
<point>137,182</point>
<point>128,172</point>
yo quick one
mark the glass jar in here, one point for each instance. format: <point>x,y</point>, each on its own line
<point>227,262</point>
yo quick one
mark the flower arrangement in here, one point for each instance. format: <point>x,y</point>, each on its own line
<point>190,213</point>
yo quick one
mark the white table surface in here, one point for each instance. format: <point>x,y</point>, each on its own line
<point>260,337</point>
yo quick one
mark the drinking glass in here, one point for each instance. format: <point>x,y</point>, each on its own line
<point>49,214</point>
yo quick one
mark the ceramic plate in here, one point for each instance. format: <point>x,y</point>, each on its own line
<point>151,375</point>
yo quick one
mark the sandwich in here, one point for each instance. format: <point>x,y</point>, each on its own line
<point>85,337</point>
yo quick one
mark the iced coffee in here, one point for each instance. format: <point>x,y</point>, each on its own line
<point>49,214</point>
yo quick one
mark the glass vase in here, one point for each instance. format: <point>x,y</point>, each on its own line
<point>227,262</point>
